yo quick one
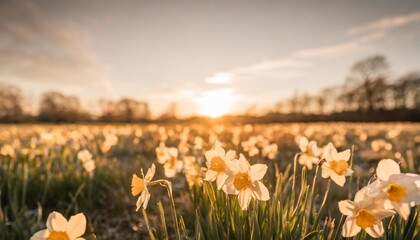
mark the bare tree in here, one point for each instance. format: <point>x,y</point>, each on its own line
<point>364,76</point>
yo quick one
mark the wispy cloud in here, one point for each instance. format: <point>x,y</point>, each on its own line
<point>340,49</point>
<point>34,48</point>
<point>272,65</point>
<point>219,78</point>
<point>386,23</point>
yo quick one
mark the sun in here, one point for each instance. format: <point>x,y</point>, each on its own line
<point>215,103</point>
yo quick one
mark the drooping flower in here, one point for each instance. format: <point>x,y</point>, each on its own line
<point>364,213</point>
<point>336,165</point>
<point>309,153</point>
<point>217,164</point>
<point>139,186</point>
<point>58,228</point>
<point>400,191</point>
<point>245,181</point>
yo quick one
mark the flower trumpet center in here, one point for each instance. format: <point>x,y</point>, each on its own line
<point>365,219</point>
<point>396,193</point>
<point>242,181</point>
<point>58,236</point>
<point>339,167</point>
<point>218,165</point>
<point>137,185</point>
<point>309,151</point>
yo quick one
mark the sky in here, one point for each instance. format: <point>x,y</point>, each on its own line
<point>209,57</point>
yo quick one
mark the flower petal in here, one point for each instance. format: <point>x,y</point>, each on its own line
<point>220,180</point>
<point>339,180</point>
<point>386,168</point>
<point>303,144</point>
<point>41,235</point>
<point>345,155</point>
<point>76,226</point>
<point>210,155</point>
<point>330,152</point>
<point>243,164</point>
<point>260,191</point>
<point>210,175</point>
<point>56,222</point>
<point>350,227</point>
<point>230,155</point>
<point>346,207</point>
<point>257,171</point>
<point>376,231</point>
<point>403,209</point>
<point>220,152</point>
<point>150,173</point>
<point>244,198</point>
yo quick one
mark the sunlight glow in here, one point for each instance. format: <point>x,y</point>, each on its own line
<point>215,103</point>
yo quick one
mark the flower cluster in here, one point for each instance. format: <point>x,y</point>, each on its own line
<point>236,176</point>
<point>393,192</point>
<point>334,164</point>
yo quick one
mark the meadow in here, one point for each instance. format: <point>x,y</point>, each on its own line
<point>200,181</point>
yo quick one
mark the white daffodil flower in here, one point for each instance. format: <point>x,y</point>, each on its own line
<point>336,165</point>
<point>364,213</point>
<point>217,164</point>
<point>309,153</point>
<point>59,228</point>
<point>400,191</point>
<point>245,181</point>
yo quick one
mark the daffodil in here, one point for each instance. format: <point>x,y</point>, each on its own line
<point>245,181</point>
<point>309,153</point>
<point>364,213</point>
<point>400,191</point>
<point>217,164</point>
<point>139,186</point>
<point>88,163</point>
<point>84,155</point>
<point>270,151</point>
<point>336,165</point>
<point>58,228</point>
<point>250,146</point>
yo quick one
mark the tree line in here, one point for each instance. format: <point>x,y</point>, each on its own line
<point>368,94</point>
<point>367,89</point>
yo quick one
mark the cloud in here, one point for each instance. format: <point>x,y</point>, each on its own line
<point>273,65</point>
<point>340,49</point>
<point>219,78</point>
<point>36,49</point>
<point>386,23</point>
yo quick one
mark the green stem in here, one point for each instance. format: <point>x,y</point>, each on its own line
<point>168,186</point>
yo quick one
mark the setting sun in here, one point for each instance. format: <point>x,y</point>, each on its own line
<point>215,103</point>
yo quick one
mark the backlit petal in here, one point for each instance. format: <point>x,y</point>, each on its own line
<point>346,207</point>
<point>350,228</point>
<point>257,171</point>
<point>386,168</point>
<point>76,226</point>
<point>56,222</point>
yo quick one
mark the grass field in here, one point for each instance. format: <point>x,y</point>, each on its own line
<point>89,169</point>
